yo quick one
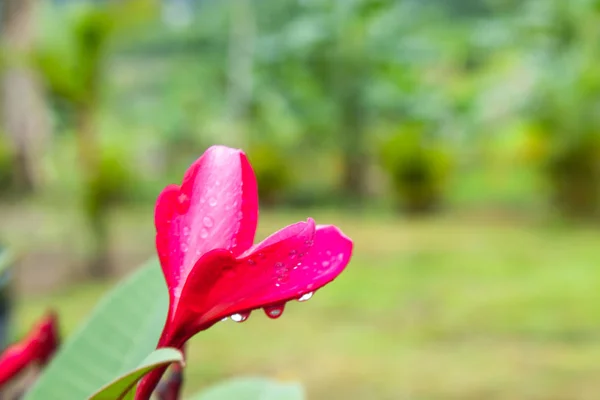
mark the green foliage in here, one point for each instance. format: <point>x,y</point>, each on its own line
<point>114,180</point>
<point>252,389</point>
<point>125,383</point>
<point>6,165</point>
<point>272,171</point>
<point>72,62</point>
<point>418,168</point>
<point>572,168</point>
<point>121,331</point>
<point>567,133</point>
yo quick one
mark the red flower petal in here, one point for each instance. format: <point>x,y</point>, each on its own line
<point>215,207</point>
<point>303,260</point>
<point>291,268</point>
<point>38,347</point>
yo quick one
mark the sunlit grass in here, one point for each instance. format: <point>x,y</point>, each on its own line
<point>446,308</point>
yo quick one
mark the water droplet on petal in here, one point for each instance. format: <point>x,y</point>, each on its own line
<point>306,296</point>
<point>251,262</point>
<point>279,265</point>
<point>186,231</point>
<point>203,233</point>
<point>240,317</point>
<point>292,254</point>
<point>212,202</point>
<point>184,202</point>
<point>184,247</point>
<point>225,319</point>
<point>207,221</point>
<point>274,312</point>
<point>325,264</point>
<point>328,253</point>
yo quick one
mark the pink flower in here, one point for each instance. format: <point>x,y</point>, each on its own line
<point>205,233</point>
<point>37,348</point>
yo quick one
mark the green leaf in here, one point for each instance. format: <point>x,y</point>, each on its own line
<point>252,389</point>
<point>122,385</point>
<point>121,331</point>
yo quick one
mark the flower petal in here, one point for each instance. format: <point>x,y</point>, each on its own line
<point>210,268</point>
<point>38,347</point>
<point>306,267</point>
<point>215,207</point>
<point>305,259</point>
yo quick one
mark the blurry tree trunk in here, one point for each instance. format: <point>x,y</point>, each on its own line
<point>352,127</point>
<point>240,67</point>
<point>349,88</point>
<point>24,114</point>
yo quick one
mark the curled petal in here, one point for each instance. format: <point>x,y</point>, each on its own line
<point>215,207</point>
<point>305,259</point>
<point>294,271</point>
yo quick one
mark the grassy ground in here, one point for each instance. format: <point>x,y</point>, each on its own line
<point>447,308</point>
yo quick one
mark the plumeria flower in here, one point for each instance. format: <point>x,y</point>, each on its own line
<point>204,237</point>
<point>37,348</point>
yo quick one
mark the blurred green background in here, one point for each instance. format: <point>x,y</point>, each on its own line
<point>456,141</point>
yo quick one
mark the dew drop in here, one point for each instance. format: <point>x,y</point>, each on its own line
<point>212,202</point>
<point>183,202</point>
<point>279,265</point>
<point>240,317</point>
<point>207,221</point>
<point>328,253</point>
<point>306,296</point>
<point>225,319</point>
<point>203,233</point>
<point>186,231</point>
<point>274,312</point>
<point>251,262</point>
<point>325,263</point>
<point>184,247</point>
<point>292,254</point>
